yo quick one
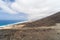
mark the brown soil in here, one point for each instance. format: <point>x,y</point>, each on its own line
<point>48,21</point>
<point>30,34</point>
<point>34,30</point>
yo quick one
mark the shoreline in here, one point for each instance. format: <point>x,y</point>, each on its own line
<point>13,24</point>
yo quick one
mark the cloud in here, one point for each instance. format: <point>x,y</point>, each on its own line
<point>36,9</point>
<point>30,7</point>
<point>7,13</point>
<point>6,8</point>
<point>6,16</point>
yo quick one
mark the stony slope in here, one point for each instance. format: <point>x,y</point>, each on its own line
<point>44,29</point>
<point>48,21</point>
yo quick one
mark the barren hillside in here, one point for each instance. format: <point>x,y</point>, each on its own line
<point>44,29</point>
<point>48,21</point>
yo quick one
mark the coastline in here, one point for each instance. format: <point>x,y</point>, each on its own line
<point>14,24</point>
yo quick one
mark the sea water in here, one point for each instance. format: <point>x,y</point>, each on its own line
<point>6,22</point>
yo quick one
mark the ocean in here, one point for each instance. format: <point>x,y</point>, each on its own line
<point>6,22</point>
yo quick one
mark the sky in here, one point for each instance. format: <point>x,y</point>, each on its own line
<point>28,9</point>
<point>8,14</point>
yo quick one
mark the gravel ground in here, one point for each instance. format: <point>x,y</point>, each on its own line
<point>29,34</point>
<point>34,30</point>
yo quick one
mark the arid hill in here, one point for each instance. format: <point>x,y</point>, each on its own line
<point>48,21</point>
<point>45,29</point>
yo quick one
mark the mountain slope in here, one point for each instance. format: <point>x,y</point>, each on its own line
<point>48,21</point>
